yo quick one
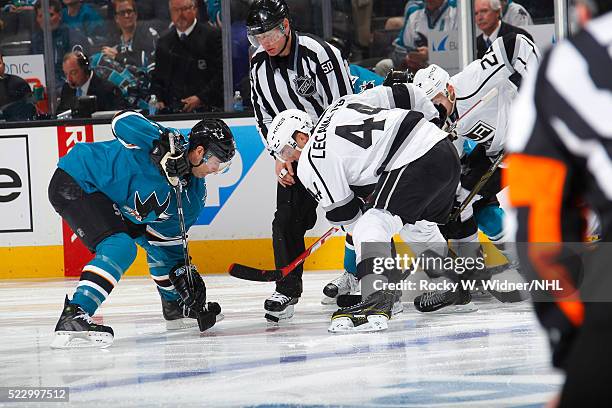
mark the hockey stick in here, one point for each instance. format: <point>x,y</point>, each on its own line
<point>485,177</point>
<point>205,320</point>
<point>270,275</point>
<point>481,102</point>
<point>481,183</point>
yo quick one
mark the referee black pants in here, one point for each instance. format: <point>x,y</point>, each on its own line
<point>295,214</point>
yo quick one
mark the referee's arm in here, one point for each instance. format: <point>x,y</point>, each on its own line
<point>261,107</point>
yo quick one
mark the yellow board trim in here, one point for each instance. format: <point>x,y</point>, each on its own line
<point>211,257</point>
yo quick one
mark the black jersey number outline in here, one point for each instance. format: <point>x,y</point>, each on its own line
<point>489,59</point>
<point>350,132</point>
<point>316,194</point>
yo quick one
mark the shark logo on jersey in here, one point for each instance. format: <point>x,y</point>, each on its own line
<point>366,85</point>
<point>150,210</point>
<point>480,132</point>
<point>304,85</point>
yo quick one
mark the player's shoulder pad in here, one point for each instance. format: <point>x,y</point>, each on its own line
<point>135,131</point>
<point>513,46</point>
<point>123,116</point>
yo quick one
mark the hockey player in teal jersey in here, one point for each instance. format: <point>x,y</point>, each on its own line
<point>118,194</point>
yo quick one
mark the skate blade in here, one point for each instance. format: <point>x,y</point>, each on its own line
<point>481,295</point>
<point>68,340</point>
<point>398,308</point>
<point>345,325</point>
<point>180,324</point>
<point>276,317</point>
<point>187,323</point>
<point>326,300</point>
<point>454,309</point>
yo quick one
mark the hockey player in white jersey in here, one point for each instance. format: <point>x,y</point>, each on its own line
<point>347,282</point>
<point>502,68</point>
<point>362,140</point>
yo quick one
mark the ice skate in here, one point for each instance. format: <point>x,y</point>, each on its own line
<point>76,329</point>
<point>450,301</point>
<point>370,315</point>
<point>178,317</point>
<point>344,284</point>
<point>344,301</point>
<point>279,307</point>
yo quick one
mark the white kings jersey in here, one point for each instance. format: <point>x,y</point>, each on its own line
<point>361,136</point>
<point>502,67</point>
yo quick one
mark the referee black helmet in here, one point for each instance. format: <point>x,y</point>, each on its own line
<point>265,15</point>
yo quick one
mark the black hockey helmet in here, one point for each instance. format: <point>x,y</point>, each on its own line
<point>264,15</point>
<point>215,136</point>
<point>341,45</point>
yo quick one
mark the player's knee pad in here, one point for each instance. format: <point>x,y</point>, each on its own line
<point>490,220</point>
<point>114,255</point>
<point>118,249</point>
<point>350,257</point>
<point>375,226</point>
<point>422,236</point>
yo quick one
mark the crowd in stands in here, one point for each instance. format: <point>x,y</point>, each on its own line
<point>172,49</point>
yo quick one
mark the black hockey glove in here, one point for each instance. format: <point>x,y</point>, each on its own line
<point>192,296</point>
<point>440,121</point>
<point>172,166</point>
<point>397,77</point>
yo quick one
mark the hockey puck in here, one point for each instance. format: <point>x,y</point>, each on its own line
<point>271,318</point>
<point>213,307</point>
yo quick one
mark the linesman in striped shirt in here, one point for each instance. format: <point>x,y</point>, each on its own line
<point>561,163</point>
<point>290,70</point>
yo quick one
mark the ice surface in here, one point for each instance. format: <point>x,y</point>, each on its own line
<point>497,356</point>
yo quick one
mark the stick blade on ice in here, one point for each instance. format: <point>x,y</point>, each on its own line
<point>254,274</point>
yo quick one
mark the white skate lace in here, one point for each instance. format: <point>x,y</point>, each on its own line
<point>85,316</point>
<point>344,282</point>
<point>432,298</point>
<point>340,280</point>
<point>279,297</point>
<point>185,310</point>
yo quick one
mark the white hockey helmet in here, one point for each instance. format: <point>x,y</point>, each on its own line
<point>432,80</point>
<point>283,128</point>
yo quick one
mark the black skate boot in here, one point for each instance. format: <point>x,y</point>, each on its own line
<point>75,328</point>
<point>279,307</point>
<point>177,316</point>
<point>344,284</point>
<point>455,301</point>
<point>372,314</point>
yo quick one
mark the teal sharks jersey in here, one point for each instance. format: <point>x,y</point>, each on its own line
<point>124,172</point>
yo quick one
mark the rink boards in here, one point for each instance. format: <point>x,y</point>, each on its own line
<point>235,225</point>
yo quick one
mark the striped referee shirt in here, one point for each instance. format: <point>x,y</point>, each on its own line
<point>310,78</point>
<point>561,140</point>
